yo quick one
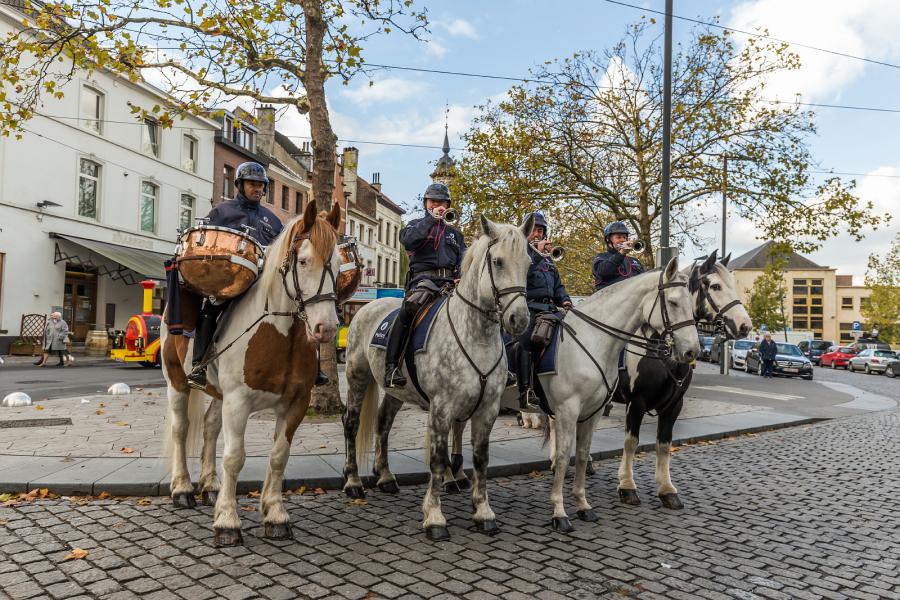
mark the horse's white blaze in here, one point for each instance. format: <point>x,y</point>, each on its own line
<point>663,480</point>
<point>626,467</point>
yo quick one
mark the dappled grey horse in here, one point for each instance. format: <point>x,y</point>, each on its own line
<point>462,371</point>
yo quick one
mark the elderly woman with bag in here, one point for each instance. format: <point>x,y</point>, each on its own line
<point>56,336</point>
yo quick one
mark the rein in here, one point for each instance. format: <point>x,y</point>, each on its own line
<point>718,316</point>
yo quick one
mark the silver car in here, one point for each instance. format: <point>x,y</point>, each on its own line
<point>872,361</point>
<point>739,350</point>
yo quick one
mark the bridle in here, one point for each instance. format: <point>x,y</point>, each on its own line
<point>495,314</point>
<point>289,267</point>
<point>717,317</point>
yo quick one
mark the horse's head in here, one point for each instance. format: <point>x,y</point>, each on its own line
<point>716,296</point>
<point>308,265</point>
<point>501,258</point>
<point>669,311</point>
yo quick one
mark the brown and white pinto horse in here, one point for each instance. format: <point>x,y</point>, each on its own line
<point>268,360</point>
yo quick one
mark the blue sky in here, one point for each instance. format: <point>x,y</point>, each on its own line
<point>507,37</point>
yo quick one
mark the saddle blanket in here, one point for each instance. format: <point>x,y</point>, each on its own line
<point>545,363</point>
<point>418,340</point>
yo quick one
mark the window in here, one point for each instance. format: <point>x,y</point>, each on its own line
<point>189,154</point>
<point>352,228</point>
<point>380,226</point>
<point>370,236</point>
<point>360,236</point>
<point>379,273</point>
<point>2,256</point>
<point>799,282</point>
<point>150,137</point>
<point>186,211</point>
<point>816,301</point>
<point>228,129</point>
<point>270,196</point>
<point>846,326</point>
<point>816,290</point>
<point>285,198</point>
<point>228,182</point>
<point>847,302</point>
<point>88,188</point>
<point>149,193</point>
<point>816,323</point>
<point>801,310</point>
<point>800,323</point>
<point>815,310</point>
<point>299,202</point>
<point>91,109</point>
<point>800,290</point>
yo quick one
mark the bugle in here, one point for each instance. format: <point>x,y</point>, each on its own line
<point>449,217</point>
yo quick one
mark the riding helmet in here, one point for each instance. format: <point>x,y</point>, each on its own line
<point>250,171</point>
<point>615,227</point>
<point>540,221</point>
<point>437,191</point>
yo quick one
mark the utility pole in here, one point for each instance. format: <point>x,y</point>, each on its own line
<point>666,252</point>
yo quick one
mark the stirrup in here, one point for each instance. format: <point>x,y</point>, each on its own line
<point>529,403</point>
<point>321,379</point>
<point>196,379</point>
<point>394,378</point>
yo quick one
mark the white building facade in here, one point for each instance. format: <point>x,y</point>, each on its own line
<point>91,200</point>
<point>388,245</point>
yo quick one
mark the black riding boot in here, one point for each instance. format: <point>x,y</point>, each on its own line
<point>203,336</point>
<point>527,398</point>
<point>397,340</point>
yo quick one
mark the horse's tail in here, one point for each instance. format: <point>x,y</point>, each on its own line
<point>368,416</point>
<point>545,431</point>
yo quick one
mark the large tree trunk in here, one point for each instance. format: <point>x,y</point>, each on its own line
<point>325,399</point>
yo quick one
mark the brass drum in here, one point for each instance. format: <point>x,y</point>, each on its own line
<point>217,261</point>
<point>350,271</point>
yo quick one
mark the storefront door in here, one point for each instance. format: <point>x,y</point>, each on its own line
<point>80,302</point>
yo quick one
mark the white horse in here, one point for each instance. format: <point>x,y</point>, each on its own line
<point>462,371</point>
<point>268,360</point>
<point>593,335</point>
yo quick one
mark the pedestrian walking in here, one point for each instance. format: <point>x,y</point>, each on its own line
<point>767,352</point>
<point>56,338</point>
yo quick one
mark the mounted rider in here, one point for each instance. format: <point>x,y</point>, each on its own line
<point>615,264</point>
<point>435,250</point>
<point>243,213</point>
<point>545,295</point>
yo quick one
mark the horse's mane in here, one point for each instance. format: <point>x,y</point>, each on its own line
<point>505,233</point>
<point>321,235</point>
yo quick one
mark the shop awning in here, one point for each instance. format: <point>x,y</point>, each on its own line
<point>134,263</point>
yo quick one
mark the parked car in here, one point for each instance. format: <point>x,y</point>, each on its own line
<point>893,369</point>
<point>837,356</point>
<point>872,361</point>
<point>739,349</point>
<point>789,361</point>
<point>814,349</point>
<point>869,344</point>
<point>706,346</point>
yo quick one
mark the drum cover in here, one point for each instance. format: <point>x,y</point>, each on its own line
<point>349,272</point>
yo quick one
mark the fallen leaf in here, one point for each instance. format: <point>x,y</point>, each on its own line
<point>3,522</point>
<point>139,389</point>
<point>124,404</point>
<point>76,554</point>
<point>318,491</point>
<point>248,508</point>
<point>119,524</point>
<point>144,501</point>
<point>122,423</point>
<point>323,446</point>
<point>300,490</point>
<point>104,495</point>
<point>358,501</point>
<point>253,494</point>
<point>38,407</point>
<point>5,497</point>
<point>536,475</point>
<point>99,411</point>
<point>103,404</point>
<point>127,450</point>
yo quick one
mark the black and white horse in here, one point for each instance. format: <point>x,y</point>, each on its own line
<point>653,384</point>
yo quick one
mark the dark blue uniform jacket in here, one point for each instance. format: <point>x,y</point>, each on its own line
<point>610,267</point>
<point>545,288</point>
<point>241,211</point>
<point>432,244</point>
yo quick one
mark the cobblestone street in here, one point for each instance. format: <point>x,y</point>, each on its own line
<point>807,512</point>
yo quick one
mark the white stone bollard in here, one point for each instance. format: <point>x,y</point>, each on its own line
<point>16,399</point>
<point>118,389</point>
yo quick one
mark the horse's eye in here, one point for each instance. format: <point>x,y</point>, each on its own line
<point>302,262</point>
<point>716,287</point>
<point>498,262</point>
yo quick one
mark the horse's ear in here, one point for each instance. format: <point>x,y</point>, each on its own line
<point>528,226</point>
<point>671,269</point>
<point>726,260</point>
<point>488,227</point>
<point>334,216</point>
<point>710,261</point>
<point>309,216</point>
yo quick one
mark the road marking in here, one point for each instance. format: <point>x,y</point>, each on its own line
<point>743,392</point>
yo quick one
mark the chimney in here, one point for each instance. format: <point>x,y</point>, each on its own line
<point>376,181</point>
<point>265,116</point>
<point>350,163</point>
<point>305,158</point>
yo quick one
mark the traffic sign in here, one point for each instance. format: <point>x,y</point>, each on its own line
<point>762,328</point>
<point>857,326</point>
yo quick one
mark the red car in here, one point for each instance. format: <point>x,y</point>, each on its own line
<point>837,356</point>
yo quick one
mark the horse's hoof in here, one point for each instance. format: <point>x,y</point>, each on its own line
<point>562,525</point>
<point>589,469</point>
<point>671,501</point>
<point>488,527</point>
<point>588,515</point>
<point>184,500</point>
<point>389,487</point>
<point>629,497</point>
<point>437,533</point>
<point>209,498</point>
<point>279,531</point>
<point>451,487</point>
<point>228,537</point>
<point>355,492</point>
<point>463,483</point>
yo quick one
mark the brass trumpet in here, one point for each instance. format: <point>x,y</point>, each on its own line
<point>449,217</point>
<point>637,246</point>
<point>556,254</point>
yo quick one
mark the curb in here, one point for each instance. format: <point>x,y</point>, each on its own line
<point>148,477</point>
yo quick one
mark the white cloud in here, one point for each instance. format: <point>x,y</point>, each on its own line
<point>864,28</point>
<point>457,28</point>
<point>392,89</point>
<point>435,48</point>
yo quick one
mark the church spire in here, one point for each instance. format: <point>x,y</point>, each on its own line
<point>443,171</point>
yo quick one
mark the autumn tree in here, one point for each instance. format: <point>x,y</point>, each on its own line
<point>205,54</point>
<point>882,308</point>
<point>766,296</point>
<point>584,136</point>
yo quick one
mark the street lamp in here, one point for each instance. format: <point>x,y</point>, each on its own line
<point>725,158</point>
<point>665,252</point>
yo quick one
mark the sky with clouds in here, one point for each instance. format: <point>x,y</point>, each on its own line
<point>508,37</point>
